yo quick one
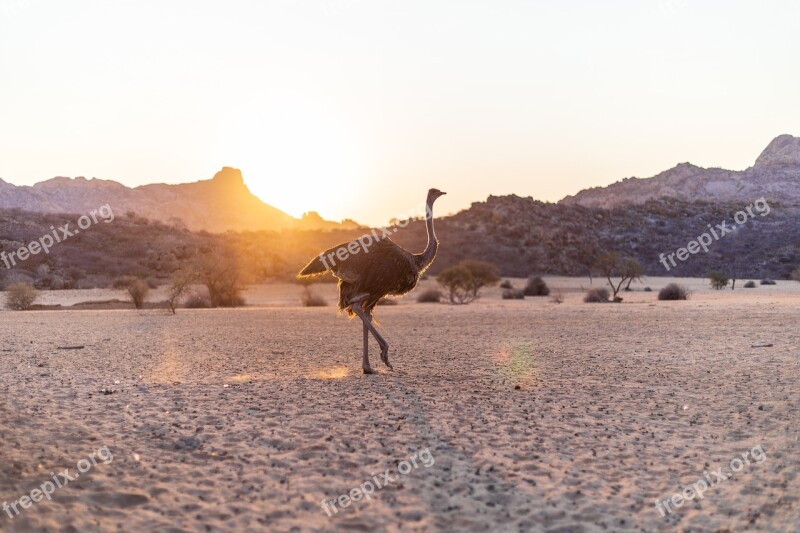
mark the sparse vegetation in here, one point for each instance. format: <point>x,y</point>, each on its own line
<point>457,281</point>
<point>220,273</point>
<point>464,281</point>
<point>197,300</point>
<point>750,285</point>
<point>310,299</point>
<point>600,295</point>
<point>21,296</point>
<point>673,291</point>
<point>634,271</point>
<point>719,280</point>
<point>430,296</point>
<point>181,284</point>
<point>613,265</point>
<point>768,282</point>
<point>506,284</point>
<point>136,288</point>
<point>557,298</point>
<point>483,275</point>
<point>513,294</point>
<point>536,287</point>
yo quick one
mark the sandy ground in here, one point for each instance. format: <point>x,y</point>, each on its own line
<point>537,416</point>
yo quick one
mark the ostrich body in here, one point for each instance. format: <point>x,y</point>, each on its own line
<point>372,272</point>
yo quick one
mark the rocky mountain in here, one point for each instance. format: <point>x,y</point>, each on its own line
<point>519,235</point>
<point>217,205</point>
<point>775,175</point>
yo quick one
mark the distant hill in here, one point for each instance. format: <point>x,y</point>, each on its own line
<point>641,218</point>
<point>217,205</point>
<point>524,236</point>
<point>775,175</point>
<point>520,235</point>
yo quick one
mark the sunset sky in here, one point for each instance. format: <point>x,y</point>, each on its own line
<point>354,108</point>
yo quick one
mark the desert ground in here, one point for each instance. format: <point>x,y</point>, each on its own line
<point>536,416</point>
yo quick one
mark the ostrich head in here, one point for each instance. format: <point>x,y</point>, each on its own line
<point>433,194</point>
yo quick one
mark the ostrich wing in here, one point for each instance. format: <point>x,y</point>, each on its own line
<point>384,268</point>
<point>383,263</point>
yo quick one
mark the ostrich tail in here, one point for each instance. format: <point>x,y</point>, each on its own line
<point>315,267</point>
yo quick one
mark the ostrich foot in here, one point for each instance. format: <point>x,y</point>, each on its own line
<point>368,370</point>
<point>385,356</point>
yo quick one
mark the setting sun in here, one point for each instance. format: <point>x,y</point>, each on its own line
<point>297,156</point>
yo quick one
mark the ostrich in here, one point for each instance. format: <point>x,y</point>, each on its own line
<point>372,272</point>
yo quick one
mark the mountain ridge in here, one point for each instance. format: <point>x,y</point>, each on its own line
<point>219,204</point>
<point>775,175</point>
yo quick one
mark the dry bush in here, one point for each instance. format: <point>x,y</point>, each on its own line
<point>221,273</point>
<point>181,284</point>
<point>673,291</point>
<point>464,281</point>
<point>20,296</point>
<point>719,280</point>
<point>198,300</point>
<point>513,294</point>
<point>483,275</point>
<point>458,282</point>
<point>557,298</point>
<point>594,296</point>
<point>768,282</point>
<point>750,285</point>
<point>136,288</point>
<point>614,265</point>
<point>536,287</point>
<point>309,299</point>
<point>506,285</point>
<point>430,296</point>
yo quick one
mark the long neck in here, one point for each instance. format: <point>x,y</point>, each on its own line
<point>426,257</point>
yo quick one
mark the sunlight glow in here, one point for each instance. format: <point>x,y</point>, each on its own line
<point>295,156</point>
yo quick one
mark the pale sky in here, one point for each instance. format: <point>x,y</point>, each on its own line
<point>354,108</point>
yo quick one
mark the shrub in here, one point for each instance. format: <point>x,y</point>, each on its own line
<point>719,280</point>
<point>179,287</point>
<point>430,296</point>
<point>750,285</point>
<point>597,296</point>
<point>483,275</point>
<point>20,296</point>
<point>648,289</point>
<point>673,291</point>
<point>768,282</point>
<point>136,288</point>
<point>536,287</point>
<point>557,298</point>
<point>513,294</point>
<point>506,285</point>
<point>309,299</point>
<point>220,273</point>
<point>198,301</point>
<point>457,281</point>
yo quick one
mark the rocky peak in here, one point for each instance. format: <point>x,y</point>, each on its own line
<point>784,150</point>
<point>229,176</point>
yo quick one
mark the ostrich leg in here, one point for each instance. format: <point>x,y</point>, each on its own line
<point>365,362</point>
<point>369,325</point>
